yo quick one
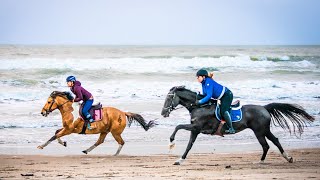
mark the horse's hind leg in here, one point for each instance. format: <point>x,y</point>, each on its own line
<point>120,141</point>
<point>100,141</point>
<point>276,142</point>
<point>262,140</point>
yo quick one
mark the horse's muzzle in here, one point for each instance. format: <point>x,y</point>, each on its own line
<point>165,113</point>
<point>45,113</point>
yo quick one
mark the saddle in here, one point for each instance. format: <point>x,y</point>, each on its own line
<point>235,112</point>
<point>236,115</point>
<point>95,112</point>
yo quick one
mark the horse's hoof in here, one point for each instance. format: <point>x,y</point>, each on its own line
<point>65,144</point>
<point>262,162</point>
<point>171,145</point>
<point>40,147</point>
<point>290,160</point>
<point>176,163</point>
<point>259,162</point>
<point>85,152</point>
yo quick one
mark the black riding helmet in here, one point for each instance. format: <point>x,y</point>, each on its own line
<point>202,72</point>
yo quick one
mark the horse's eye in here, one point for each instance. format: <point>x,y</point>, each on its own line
<point>48,102</point>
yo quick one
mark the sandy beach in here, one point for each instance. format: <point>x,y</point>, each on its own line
<point>198,166</point>
<point>30,74</point>
<point>140,60</point>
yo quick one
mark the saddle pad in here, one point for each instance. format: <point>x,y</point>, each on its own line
<point>236,113</point>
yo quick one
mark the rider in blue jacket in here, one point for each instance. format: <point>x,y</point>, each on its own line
<point>212,89</point>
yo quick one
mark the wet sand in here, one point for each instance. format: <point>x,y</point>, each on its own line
<point>197,166</point>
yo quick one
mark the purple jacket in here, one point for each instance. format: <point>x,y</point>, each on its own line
<point>80,92</point>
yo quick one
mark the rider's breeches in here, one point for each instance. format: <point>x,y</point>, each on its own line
<point>226,101</point>
<point>86,107</point>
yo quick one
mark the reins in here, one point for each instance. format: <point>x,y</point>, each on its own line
<point>171,108</point>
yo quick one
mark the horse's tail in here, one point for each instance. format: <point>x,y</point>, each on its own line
<point>280,112</point>
<point>146,126</point>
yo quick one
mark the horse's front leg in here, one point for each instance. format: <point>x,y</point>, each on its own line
<point>193,137</point>
<point>61,133</point>
<point>188,127</point>
<point>63,143</point>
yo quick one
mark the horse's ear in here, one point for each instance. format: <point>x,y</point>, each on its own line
<point>68,94</point>
<point>181,87</point>
<point>177,87</point>
<point>53,93</point>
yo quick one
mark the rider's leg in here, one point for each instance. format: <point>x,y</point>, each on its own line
<point>227,118</point>
<point>85,112</point>
<point>226,101</point>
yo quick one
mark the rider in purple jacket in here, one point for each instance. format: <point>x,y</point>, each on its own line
<point>81,94</point>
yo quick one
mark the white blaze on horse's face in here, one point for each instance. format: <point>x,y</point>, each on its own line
<point>49,107</point>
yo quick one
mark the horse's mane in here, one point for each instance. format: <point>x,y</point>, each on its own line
<point>181,88</point>
<point>188,91</point>
<point>64,94</point>
<point>184,93</point>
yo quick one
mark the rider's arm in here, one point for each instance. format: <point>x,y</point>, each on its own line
<point>209,90</point>
<point>79,96</point>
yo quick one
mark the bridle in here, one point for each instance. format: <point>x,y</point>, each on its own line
<point>48,111</point>
<point>189,106</point>
<point>171,108</point>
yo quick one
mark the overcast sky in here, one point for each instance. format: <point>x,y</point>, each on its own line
<point>160,22</point>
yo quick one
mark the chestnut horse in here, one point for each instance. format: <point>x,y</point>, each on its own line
<point>113,121</point>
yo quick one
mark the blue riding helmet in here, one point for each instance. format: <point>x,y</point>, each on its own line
<point>71,78</point>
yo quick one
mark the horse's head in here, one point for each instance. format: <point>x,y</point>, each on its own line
<point>177,95</point>
<point>56,100</point>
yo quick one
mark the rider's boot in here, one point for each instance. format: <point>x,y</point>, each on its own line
<point>227,118</point>
<point>90,120</point>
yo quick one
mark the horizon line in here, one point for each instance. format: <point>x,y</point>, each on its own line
<point>160,45</point>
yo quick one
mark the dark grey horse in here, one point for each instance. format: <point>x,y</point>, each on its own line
<point>255,117</point>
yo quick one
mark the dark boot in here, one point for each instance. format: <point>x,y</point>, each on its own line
<point>227,118</point>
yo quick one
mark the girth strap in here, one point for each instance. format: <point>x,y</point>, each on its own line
<point>85,124</point>
<point>218,132</point>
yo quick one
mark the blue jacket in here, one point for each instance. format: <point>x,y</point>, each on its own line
<point>211,89</point>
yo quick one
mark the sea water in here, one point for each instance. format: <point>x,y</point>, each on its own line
<point>137,79</point>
